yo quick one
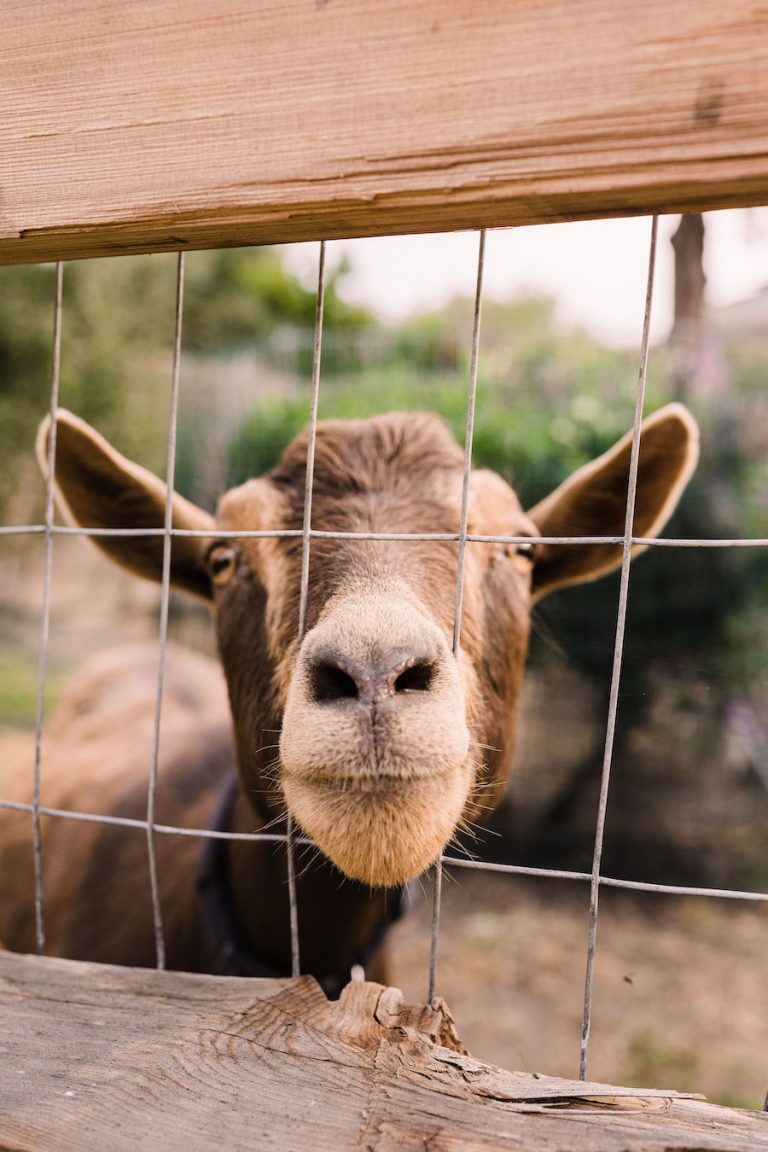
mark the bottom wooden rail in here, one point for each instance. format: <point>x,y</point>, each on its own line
<point>97,1057</point>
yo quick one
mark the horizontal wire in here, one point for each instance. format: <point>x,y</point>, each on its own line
<point>449,861</point>
<point>709,542</point>
<point>167,829</point>
<point>609,881</point>
<point>442,537</point>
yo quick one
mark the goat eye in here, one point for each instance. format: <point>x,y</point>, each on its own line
<point>524,550</point>
<point>222,563</point>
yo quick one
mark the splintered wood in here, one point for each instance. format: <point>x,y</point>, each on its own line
<point>158,125</point>
<point>96,1057</point>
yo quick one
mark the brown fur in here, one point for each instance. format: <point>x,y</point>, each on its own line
<point>378,739</point>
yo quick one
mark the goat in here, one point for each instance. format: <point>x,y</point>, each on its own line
<point>368,730</point>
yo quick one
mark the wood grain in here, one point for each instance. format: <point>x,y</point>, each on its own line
<point>96,1057</point>
<point>159,125</point>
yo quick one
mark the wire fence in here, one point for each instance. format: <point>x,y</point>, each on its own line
<point>49,530</point>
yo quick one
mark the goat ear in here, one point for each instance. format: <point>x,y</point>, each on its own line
<point>592,502</point>
<point>98,488</point>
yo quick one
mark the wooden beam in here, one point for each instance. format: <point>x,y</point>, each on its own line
<point>158,125</point>
<point>98,1057</point>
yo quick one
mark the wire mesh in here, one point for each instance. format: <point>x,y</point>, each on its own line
<point>50,530</point>
<point>320,534</point>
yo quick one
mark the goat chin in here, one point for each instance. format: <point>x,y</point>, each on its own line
<point>380,830</point>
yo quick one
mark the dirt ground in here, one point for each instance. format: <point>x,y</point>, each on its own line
<point>680,998</point>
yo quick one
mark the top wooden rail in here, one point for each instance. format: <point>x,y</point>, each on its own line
<point>162,125</point>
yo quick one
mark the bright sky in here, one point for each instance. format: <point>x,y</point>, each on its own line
<point>596,270</point>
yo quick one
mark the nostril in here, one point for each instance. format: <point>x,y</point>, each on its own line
<point>328,682</point>
<point>333,678</point>
<point>417,678</point>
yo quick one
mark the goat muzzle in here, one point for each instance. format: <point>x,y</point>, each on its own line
<point>374,747</point>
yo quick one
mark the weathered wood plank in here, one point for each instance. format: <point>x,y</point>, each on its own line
<point>98,1057</point>
<point>157,125</point>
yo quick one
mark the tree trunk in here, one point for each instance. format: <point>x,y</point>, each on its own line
<point>687,336</point>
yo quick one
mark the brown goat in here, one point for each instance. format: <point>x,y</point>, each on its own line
<point>376,738</point>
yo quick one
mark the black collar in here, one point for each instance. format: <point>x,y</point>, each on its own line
<point>232,952</point>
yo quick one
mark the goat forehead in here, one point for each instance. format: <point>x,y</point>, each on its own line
<point>430,506</point>
<point>381,453</point>
<point>384,474</point>
<point>494,507</point>
<point>253,506</point>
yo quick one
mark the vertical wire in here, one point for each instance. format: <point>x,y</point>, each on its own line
<point>459,601</point>
<point>311,439</point>
<point>304,588</point>
<point>50,482</point>
<point>468,438</point>
<point>170,470</point>
<point>437,899</point>
<point>292,900</point>
<point>618,652</point>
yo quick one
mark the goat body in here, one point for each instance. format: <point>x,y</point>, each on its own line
<point>368,729</point>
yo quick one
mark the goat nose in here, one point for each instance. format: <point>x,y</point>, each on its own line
<point>334,678</point>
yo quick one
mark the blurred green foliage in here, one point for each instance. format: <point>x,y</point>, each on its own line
<point>548,401</point>
<point>235,297</point>
<point>117,338</point>
<point>118,320</point>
